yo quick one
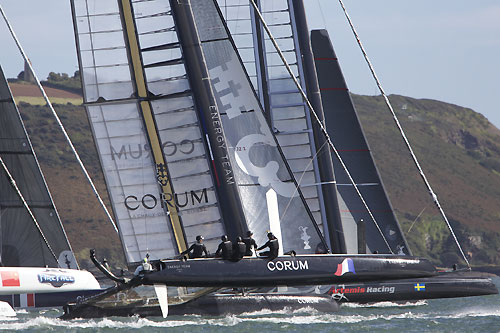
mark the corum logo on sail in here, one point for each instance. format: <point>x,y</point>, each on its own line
<point>137,151</point>
<point>288,265</point>
<point>150,201</point>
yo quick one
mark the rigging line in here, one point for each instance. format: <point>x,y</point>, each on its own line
<point>70,143</point>
<point>322,127</point>
<point>301,177</point>
<point>416,219</point>
<point>25,204</point>
<point>396,120</point>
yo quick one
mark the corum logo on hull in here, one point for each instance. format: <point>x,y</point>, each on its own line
<point>288,265</point>
<point>56,280</point>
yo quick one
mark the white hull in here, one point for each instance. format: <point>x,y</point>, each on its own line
<point>23,280</point>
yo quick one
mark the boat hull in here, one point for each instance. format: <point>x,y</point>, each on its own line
<point>211,305</point>
<point>444,285</point>
<point>288,270</point>
<point>24,287</point>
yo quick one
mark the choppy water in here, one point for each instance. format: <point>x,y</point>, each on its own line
<point>473,314</point>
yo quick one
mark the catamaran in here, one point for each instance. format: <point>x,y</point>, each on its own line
<point>189,148</point>
<point>186,149</point>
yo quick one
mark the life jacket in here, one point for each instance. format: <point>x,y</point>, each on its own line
<point>239,250</point>
<point>274,247</point>
<point>249,242</point>
<point>198,250</point>
<point>227,249</point>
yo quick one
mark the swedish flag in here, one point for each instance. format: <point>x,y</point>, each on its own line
<point>419,286</point>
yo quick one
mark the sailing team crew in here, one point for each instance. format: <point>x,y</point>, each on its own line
<point>229,251</point>
<point>197,249</point>
<point>273,246</point>
<point>225,249</point>
<point>250,243</point>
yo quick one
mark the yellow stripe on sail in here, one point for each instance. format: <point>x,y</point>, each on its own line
<point>149,120</point>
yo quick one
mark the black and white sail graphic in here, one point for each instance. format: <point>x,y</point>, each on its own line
<point>282,102</point>
<point>20,240</point>
<point>269,193</point>
<point>345,130</point>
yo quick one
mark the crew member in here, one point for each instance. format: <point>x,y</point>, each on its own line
<point>249,243</point>
<point>197,249</point>
<point>273,246</point>
<point>226,247</point>
<point>145,267</point>
<point>239,249</point>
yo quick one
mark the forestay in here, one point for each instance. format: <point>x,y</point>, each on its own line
<point>265,181</point>
<point>145,126</point>
<point>285,109</point>
<point>21,242</point>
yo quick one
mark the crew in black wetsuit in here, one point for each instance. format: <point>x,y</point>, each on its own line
<point>197,249</point>
<point>249,242</point>
<point>239,249</point>
<point>273,246</point>
<point>226,247</point>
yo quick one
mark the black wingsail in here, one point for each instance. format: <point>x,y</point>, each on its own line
<point>345,130</point>
<point>21,242</point>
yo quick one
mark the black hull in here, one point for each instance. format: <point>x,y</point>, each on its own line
<point>444,285</point>
<point>287,270</point>
<point>211,305</point>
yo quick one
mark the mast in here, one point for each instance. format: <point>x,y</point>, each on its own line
<point>151,127</point>
<point>325,164</point>
<point>231,209</point>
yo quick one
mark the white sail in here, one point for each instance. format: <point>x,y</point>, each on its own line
<point>145,126</point>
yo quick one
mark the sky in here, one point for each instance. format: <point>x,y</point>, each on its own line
<point>447,50</point>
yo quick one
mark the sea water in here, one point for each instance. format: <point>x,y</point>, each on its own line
<point>471,314</point>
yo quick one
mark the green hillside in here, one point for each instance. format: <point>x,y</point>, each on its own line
<point>458,149</point>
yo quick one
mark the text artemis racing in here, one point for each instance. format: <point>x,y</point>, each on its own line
<point>360,290</point>
<point>228,172</point>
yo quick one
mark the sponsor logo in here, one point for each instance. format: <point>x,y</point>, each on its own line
<point>308,300</point>
<point>347,266</point>
<point>403,262</point>
<point>137,151</point>
<point>287,265</point>
<point>343,290</point>
<point>381,289</point>
<point>419,286</point>
<point>56,280</point>
<point>150,201</point>
<point>360,290</point>
<point>305,237</point>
